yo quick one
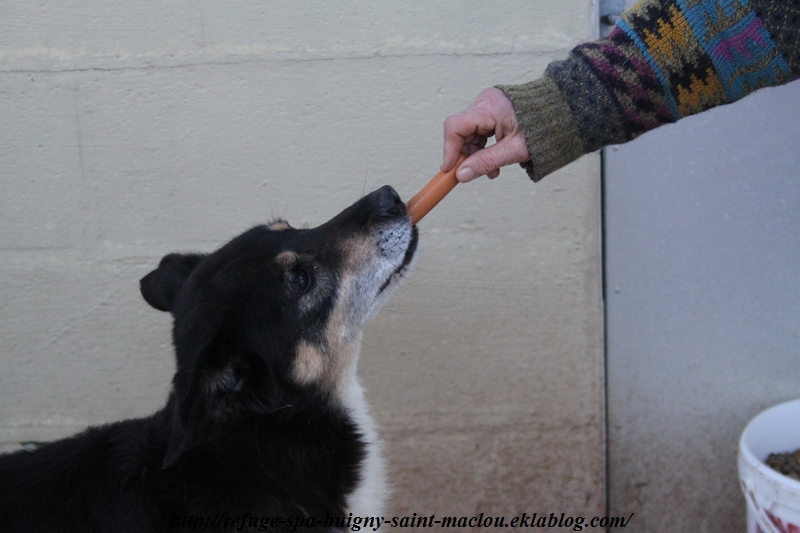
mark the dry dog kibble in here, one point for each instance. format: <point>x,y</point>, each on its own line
<point>787,464</point>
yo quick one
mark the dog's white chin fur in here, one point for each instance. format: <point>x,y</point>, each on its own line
<point>372,492</point>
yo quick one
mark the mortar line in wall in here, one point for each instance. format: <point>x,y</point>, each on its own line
<point>89,189</point>
<point>251,59</point>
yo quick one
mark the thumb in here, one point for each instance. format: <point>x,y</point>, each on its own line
<point>485,161</point>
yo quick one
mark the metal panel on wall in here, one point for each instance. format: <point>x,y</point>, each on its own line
<point>702,244</point>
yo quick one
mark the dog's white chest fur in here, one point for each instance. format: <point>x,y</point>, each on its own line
<point>371,494</point>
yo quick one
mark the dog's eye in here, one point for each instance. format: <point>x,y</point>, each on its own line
<point>304,280</point>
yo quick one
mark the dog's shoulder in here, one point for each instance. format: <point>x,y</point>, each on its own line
<point>103,468</point>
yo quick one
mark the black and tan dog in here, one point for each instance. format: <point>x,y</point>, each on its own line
<point>266,420</point>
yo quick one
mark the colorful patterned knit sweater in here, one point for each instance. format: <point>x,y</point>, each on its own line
<point>664,60</point>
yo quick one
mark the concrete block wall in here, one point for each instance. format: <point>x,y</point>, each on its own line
<point>129,130</point>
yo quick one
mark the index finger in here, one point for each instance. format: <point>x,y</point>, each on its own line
<point>456,130</point>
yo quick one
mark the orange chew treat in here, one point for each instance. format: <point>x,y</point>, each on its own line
<point>431,194</point>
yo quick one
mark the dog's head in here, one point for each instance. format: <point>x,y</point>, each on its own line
<point>273,318</point>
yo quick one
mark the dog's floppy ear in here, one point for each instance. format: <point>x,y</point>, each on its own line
<point>161,286</point>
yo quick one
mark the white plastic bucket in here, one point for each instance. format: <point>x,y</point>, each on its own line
<point>773,500</point>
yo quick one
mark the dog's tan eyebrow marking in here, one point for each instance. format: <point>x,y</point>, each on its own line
<point>286,259</point>
<point>279,225</point>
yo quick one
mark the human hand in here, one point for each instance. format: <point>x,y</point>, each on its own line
<point>491,114</point>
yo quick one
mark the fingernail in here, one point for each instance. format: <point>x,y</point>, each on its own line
<point>465,174</point>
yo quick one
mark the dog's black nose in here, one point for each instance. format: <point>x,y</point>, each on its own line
<point>388,203</point>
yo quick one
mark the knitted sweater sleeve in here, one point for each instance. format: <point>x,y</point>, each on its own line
<point>664,60</point>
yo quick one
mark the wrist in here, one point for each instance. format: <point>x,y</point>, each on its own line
<point>550,130</point>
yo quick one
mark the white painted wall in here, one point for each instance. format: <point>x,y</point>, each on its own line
<point>132,129</point>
